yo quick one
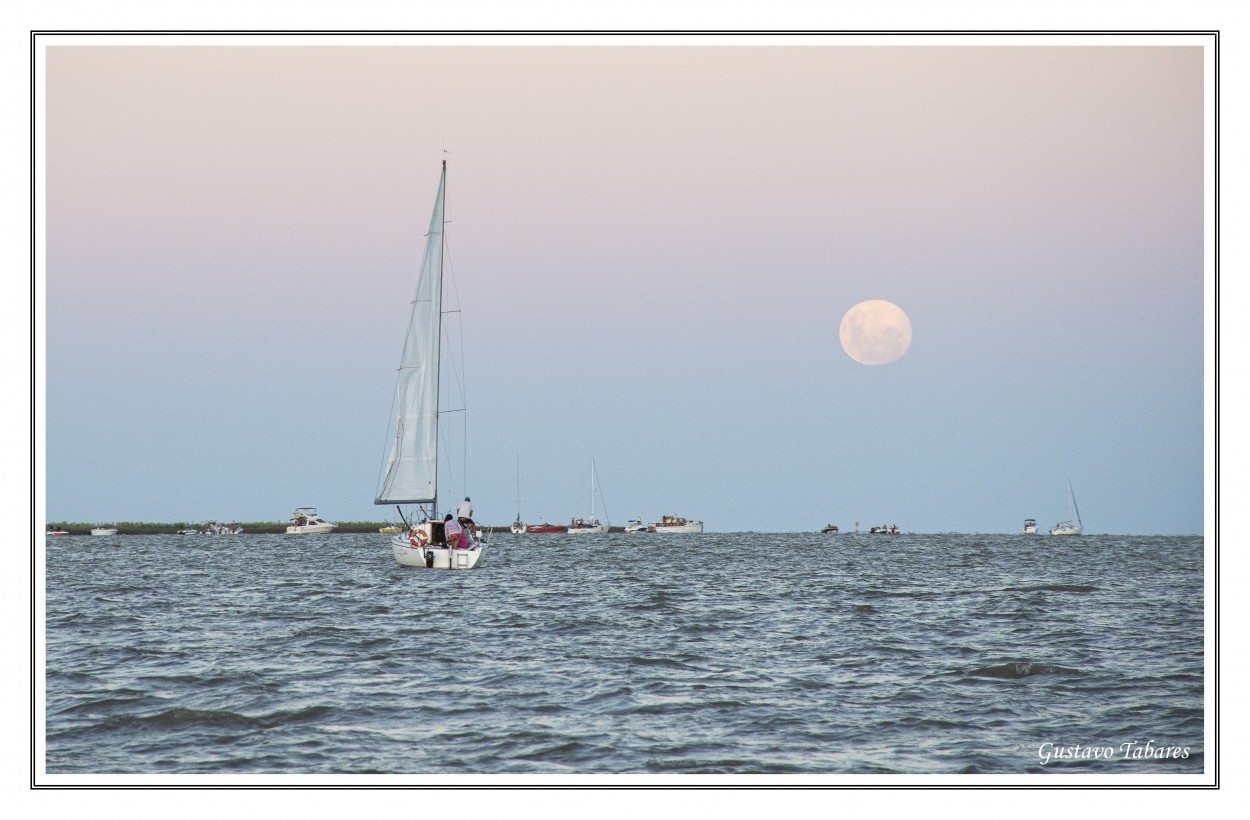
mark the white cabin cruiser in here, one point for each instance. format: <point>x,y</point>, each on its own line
<point>307,522</point>
<point>677,524</point>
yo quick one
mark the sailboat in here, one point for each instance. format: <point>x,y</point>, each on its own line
<point>1067,527</point>
<point>518,526</point>
<point>411,470</point>
<point>585,525</point>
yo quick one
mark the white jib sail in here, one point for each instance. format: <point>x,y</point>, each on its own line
<point>412,470</point>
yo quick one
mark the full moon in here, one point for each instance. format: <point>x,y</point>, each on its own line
<point>875,332</point>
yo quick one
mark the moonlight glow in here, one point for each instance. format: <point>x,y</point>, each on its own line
<point>875,332</point>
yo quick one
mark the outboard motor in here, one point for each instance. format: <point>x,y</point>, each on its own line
<point>429,559</point>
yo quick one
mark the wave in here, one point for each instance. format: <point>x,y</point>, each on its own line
<point>722,766</point>
<point>183,718</point>
<point>1023,669</point>
<point>1053,588</point>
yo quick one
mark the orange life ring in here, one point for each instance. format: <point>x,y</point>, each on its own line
<point>418,538</point>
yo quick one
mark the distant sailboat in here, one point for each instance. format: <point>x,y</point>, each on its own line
<point>588,525</point>
<point>411,475</point>
<point>1067,526</point>
<point>518,526</point>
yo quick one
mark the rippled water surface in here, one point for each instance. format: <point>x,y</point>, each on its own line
<point>719,653</point>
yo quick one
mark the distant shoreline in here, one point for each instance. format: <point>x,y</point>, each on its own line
<point>249,527</point>
<point>356,527</point>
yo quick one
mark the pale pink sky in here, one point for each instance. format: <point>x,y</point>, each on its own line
<point>681,228</point>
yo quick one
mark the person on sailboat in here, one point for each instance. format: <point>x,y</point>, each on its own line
<point>454,533</point>
<point>464,514</point>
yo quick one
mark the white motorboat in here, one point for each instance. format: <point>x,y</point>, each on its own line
<point>676,524</point>
<point>1069,526</point>
<point>583,526</point>
<point>411,471</point>
<point>104,530</point>
<point>188,531</point>
<point>307,522</point>
<point>635,525</point>
<point>1030,526</point>
<point>57,531</point>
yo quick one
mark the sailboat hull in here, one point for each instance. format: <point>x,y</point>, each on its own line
<point>434,557</point>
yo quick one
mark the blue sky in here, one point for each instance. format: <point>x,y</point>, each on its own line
<point>653,248</point>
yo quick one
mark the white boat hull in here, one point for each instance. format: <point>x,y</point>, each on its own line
<point>440,557</point>
<point>584,530</point>
<point>1066,531</point>
<point>309,529</point>
<point>104,531</point>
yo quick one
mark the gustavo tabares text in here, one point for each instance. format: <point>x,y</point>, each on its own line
<point>1129,750</point>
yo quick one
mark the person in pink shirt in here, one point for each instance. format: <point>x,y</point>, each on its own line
<point>454,533</point>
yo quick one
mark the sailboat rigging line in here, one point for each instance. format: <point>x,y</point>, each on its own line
<point>599,487</point>
<point>456,363</point>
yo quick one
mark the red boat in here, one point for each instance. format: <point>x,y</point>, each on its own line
<point>544,528</point>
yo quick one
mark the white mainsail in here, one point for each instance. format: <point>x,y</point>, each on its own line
<point>411,475</point>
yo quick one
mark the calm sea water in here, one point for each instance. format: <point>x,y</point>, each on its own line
<point>721,653</point>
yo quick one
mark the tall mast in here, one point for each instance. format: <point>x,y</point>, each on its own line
<point>438,343</point>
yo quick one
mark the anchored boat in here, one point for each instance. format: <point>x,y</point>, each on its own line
<point>589,525</point>
<point>1068,526</point>
<point>307,522</point>
<point>677,524</point>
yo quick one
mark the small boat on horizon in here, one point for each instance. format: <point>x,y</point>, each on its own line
<point>635,525</point>
<point>582,526</point>
<point>1030,526</point>
<point>1067,526</point>
<point>545,528</point>
<point>104,530</point>
<point>885,529</point>
<point>57,531</point>
<point>518,526</point>
<point>830,529</point>
<point>676,524</point>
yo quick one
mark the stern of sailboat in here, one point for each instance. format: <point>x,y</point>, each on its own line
<point>424,546</point>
